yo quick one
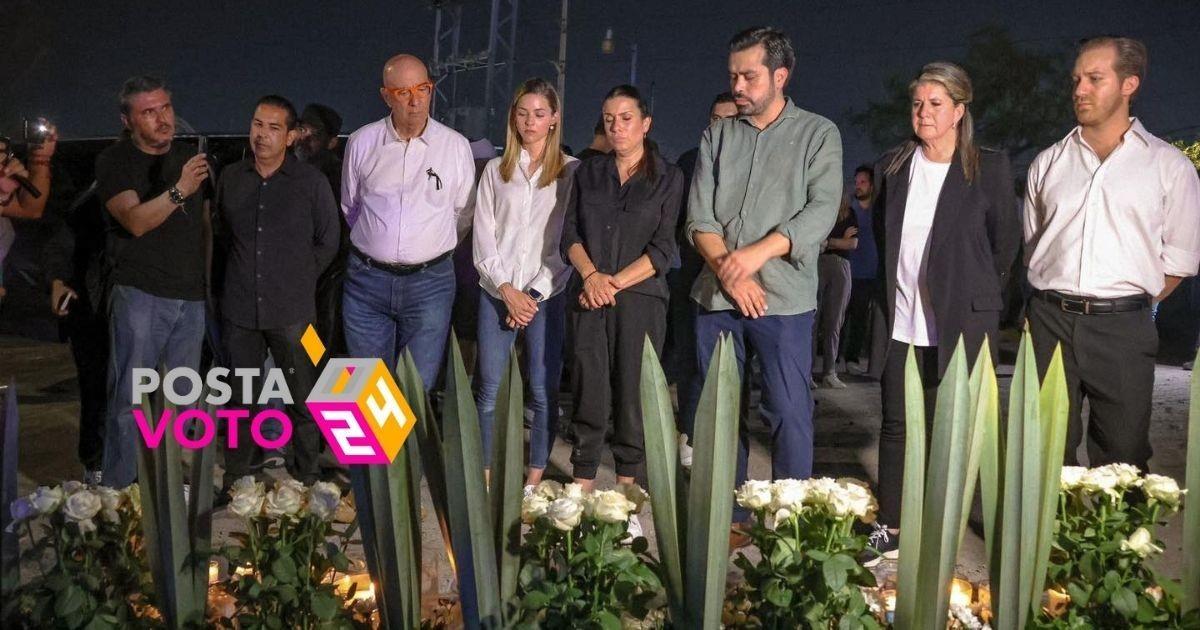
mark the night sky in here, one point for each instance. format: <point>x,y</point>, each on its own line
<point>66,60</point>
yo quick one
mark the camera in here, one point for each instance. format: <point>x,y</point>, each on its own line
<point>36,131</point>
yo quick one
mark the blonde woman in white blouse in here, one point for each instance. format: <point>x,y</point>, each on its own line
<point>518,221</point>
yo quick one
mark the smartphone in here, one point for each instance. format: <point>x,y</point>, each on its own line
<point>64,303</point>
<point>202,144</point>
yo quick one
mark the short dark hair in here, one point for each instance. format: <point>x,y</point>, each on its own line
<point>778,52</point>
<point>723,97</point>
<point>598,130</point>
<point>866,168</point>
<point>139,85</point>
<point>275,100</point>
<point>1132,57</point>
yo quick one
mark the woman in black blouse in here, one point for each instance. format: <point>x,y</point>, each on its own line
<point>619,234</point>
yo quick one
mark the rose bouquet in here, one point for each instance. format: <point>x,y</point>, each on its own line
<point>809,574</point>
<point>86,544</point>
<point>579,565</point>
<point>288,557</point>
<point>1104,539</point>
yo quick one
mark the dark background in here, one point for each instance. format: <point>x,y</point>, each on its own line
<point>65,60</point>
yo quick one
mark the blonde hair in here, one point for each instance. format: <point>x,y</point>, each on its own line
<point>554,161</point>
<point>958,85</point>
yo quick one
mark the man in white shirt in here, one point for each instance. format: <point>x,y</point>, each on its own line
<point>407,193</point>
<point>1112,224</point>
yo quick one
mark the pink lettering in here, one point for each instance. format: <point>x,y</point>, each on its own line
<point>231,416</point>
<point>285,429</point>
<point>152,437</point>
<point>181,425</point>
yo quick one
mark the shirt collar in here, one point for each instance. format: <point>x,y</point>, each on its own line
<point>289,163</point>
<point>393,136</point>
<point>789,111</point>
<point>1136,130</point>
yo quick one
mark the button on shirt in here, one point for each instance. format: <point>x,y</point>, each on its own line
<point>914,321</point>
<point>749,183</point>
<point>407,201</point>
<point>1113,228</point>
<point>280,234</point>
<point>517,229</point>
<point>619,223</point>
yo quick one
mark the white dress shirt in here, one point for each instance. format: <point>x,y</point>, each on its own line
<point>914,321</point>
<point>517,229</point>
<point>407,201</point>
<point>1113,228</point>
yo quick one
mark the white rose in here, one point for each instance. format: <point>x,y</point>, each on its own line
<point>534,507</point>
<point>284,500</point>
<point>1071,477</point>
<point>1141,543</point>
<point>755,494</point>
<point>549,489</point>
<point>293,484</point>
<point>73,486</point>
<point>1100,480</point>
<point>634,493</point>
<point>247,484</point>
<point>779,517</point>
<point>788,493</point>
<point>572,491</point>
<point>564,513</point>
<point>323,500</point>
<point>854,499</point>
<point>247,505</point>
<point>821,491</point>
<point>1162,489</point>
<point>1128,476</point>
<point>610,506</point>
<point>110,501</point>
<point>81,508</point>
<point>22,510</point>
<point>47,500</point>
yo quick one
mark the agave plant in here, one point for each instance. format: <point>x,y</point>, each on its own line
<point>1191,515</point>
<point>10,573</point>
<point>691,520</point>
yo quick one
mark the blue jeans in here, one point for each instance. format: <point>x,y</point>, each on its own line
<point>543,355</point>
<point>146,331</point>
<point>383,313</point>
<point>783,344</point>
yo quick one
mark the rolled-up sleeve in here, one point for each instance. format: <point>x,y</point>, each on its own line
<point>809,226</point>
<point>570,232</point>
<point>701,213</point>
<point>663,248</point>
<point>1181,219</point>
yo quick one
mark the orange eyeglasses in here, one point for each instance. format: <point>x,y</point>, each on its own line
<point>422,90</point>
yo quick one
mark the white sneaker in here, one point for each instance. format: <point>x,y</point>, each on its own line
<point>833,382</point>
<point>685,451</point>
<point>635,527</point>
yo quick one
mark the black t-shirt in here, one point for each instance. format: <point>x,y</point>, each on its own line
<point>839,229</point>
<point>167,261</point>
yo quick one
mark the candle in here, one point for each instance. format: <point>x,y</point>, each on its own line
<point>961,592</point>
<point>889,605</point>
<point>214,572</point>
<point>984,596</point>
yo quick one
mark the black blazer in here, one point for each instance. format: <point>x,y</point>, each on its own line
<point>974,239</point>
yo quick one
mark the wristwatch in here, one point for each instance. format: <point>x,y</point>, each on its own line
<point>535,294</point>
<point>176,195</point>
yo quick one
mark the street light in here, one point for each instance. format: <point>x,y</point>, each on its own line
<point>607,46</point>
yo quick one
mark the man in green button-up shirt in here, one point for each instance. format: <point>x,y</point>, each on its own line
<point>764,196</point>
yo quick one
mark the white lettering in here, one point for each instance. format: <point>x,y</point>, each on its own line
<point>145,381</point>
<point>219,391</point>
<point>171,392</point>
<point>275,387</point>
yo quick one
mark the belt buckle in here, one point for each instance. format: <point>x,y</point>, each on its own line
<point>1067,304</point>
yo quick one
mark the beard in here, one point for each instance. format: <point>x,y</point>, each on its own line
<point>1099,111</point>
<point>755,108</point>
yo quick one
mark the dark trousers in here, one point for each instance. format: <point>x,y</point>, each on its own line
<point>247,348</point>
<point>329,307</point>
<point>833,295</point>
<point>892,431</point>
<point>858,318</point>
<point>1110,360</point>
<point>88,334</point>
<point>783,344</point>
<point>606,373</point>
<point>679,352</point>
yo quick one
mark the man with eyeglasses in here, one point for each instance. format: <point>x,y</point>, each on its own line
<point>407,193</point>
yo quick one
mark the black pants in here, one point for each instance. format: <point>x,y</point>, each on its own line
<point>247,348</point>
<point>88,334</point>
<point>892,432</point>
<point>858,318</point>
<point>1110,360</point>
<point>607,379</point>
<point>329,307</point>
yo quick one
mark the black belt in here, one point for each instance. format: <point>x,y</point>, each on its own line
<point>399,270</point>
<point>1080,305</point>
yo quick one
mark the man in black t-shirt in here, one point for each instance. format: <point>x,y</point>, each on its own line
<point>158,236</point>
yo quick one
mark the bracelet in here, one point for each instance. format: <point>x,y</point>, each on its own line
<point>594,272</point>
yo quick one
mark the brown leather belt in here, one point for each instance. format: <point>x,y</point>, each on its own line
<point>1081,305</point>
<point>399,270</point>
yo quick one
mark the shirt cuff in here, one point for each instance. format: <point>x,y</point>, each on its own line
<point>1180,262</point>
<point>703,227</point>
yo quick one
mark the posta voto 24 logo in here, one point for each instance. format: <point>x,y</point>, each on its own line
<point>355,402</point>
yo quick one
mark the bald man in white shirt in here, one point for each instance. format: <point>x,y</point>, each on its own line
<point>407,193</point>
<point>1112,225</point>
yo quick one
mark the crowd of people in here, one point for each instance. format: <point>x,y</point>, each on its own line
<point>580,259</point>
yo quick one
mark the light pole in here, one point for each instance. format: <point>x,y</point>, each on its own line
<point>561,65</point>
<point>607,46</point>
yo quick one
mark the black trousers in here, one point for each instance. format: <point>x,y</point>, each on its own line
<point>607,369</point>
<point>857,326</point>
<point>1109,359</point>
<point>329,307</point>
<point>88,335</point>
<point>892,432</point>
<point>247,348</point>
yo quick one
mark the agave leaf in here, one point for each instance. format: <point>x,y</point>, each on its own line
<point>710,495</point>
<point>508,476</point>
<point>913,497</point>
<point>1191,514</point>
<point>471,531</point>
<point>662,457</point>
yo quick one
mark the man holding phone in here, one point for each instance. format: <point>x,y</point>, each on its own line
<point>157,250</point>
